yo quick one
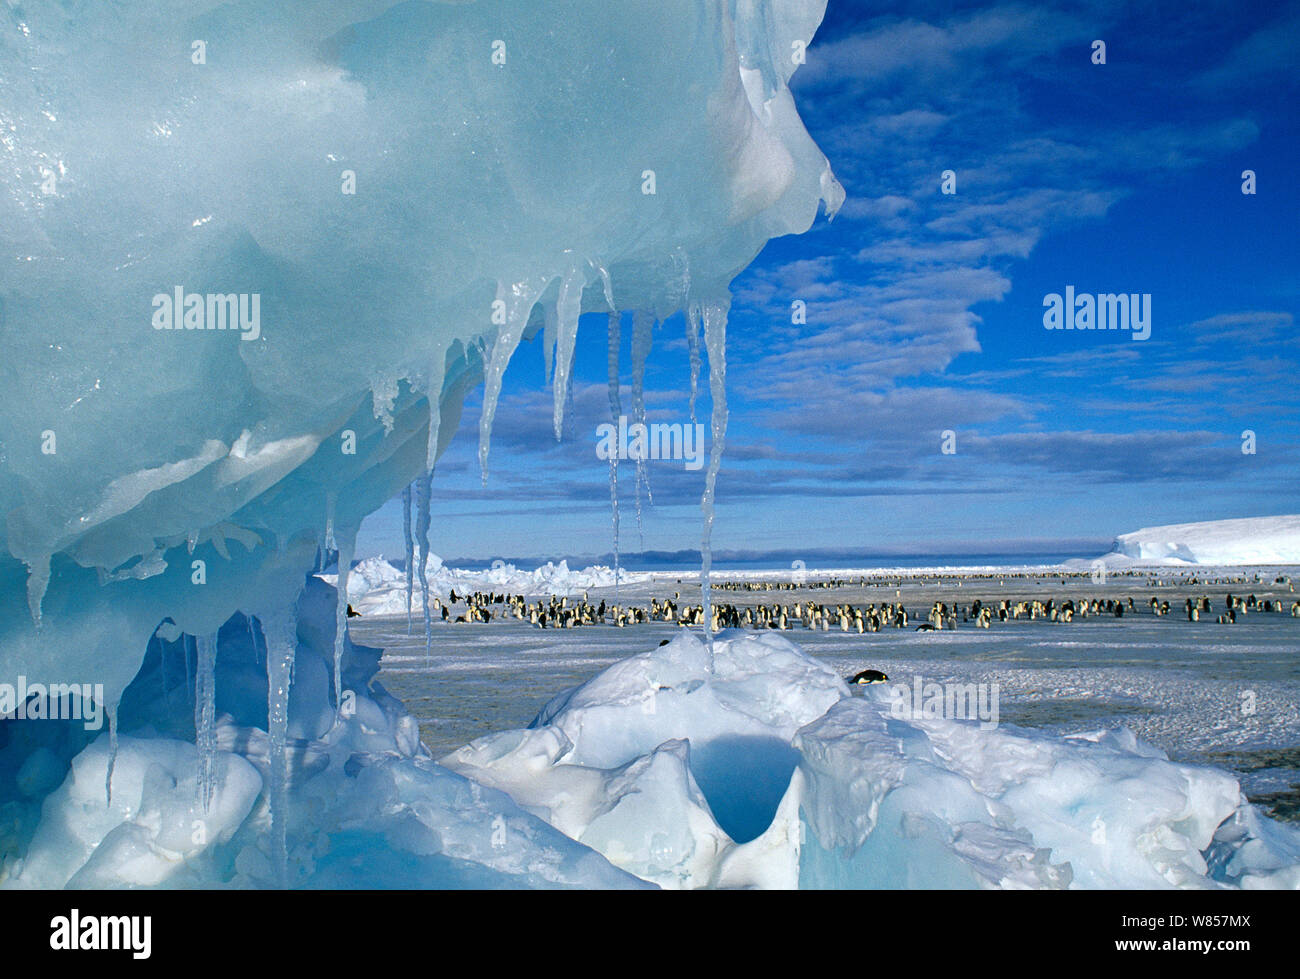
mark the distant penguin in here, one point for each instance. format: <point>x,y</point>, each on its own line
<point>353,613</point>
<point>869,676</point>
<point>926,627</point>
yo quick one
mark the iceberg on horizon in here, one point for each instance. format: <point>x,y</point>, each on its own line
<point>1258,541</point>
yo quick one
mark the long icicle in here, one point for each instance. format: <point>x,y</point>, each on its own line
<point>347,547</point>
<point>642,337</point>
<point>205,714</point>
<point>715,339</point>
<point>693,345</point>
<point>281,642</point>
<point>410,552</point>
<point>331,498</point>
<point>424,490</point>
<point>568,306</point>
<point>615,410</point>
<point>437,374</point>
<point>517,302</point>
<point>548,343</point>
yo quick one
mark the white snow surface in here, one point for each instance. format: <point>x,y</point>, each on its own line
<point>1259,541</point>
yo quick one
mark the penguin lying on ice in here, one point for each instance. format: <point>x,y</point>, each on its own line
<point>869,676</point>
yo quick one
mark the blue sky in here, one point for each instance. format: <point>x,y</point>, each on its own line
<point>924,310</point>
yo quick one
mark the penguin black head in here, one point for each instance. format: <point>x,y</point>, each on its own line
<point>869,676</point>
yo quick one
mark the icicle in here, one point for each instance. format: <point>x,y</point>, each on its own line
<point>331,544</point>
<point>437,374</point>
<point>424,489</point>
<point>548,343</point>
<point>252,638</point>
<point>715,339</point>
<point>693,345</point>
<point>410,552</point>
<point>642,337</point>
<point>281,643</point>
<point>346,548</point>
<point>518,303</point>
<point>205,714</point>
<point>162,668</point>
<point>615,409</point>
<point>568,406</point>
<point>112,753</point>
<point>38,579</point>
<point>567,309</point>
<point>607,284</point>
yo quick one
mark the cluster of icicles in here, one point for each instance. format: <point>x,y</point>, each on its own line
<point>561,327</point>
<point>560,342</point>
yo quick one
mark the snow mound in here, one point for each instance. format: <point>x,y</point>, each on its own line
<point>1257,541</point>
<point>761,769</point>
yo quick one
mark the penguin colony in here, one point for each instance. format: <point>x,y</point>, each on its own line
<point>564,613</point>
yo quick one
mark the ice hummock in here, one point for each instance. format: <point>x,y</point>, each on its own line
<point>763,770</point>
<point>1258,541</point>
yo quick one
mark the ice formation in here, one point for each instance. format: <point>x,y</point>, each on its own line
<point>375,587</point>
<point>366,806</point>
<point>761,769</point>
<point>387,200</point>
<point>380,202</point>
<point>1249,541</point>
